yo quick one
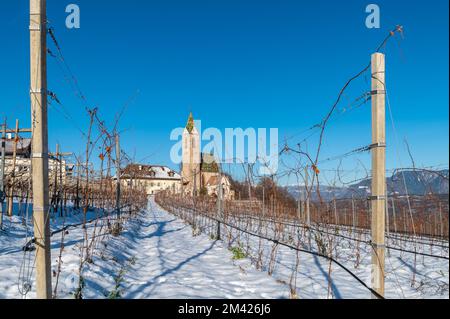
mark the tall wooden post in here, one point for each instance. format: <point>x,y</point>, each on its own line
<point>13,171</point>
<point>77,192</point>
<point>38,94</point>
<point>118,175</point>
<point>2,173</point>
<point>55,180</point>
<point>378,147</point>
<point>194,191</point>
<point>60,190</point>
<point>353,214</point>
<point>308,194</point>
<point>308,213</point>
<point>219,203</point>
<point>386,202</point>
<point>336,219</point>
<point>393,214</point>
<point>263,201</point>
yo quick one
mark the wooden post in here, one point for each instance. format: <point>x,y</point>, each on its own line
<point>118,176</point>
<point>60,195</point>
<point>336,220</point>
<point>393,214</point>
<point>405,222</point>
<point>308,216</point>
<point>378,147</point>
<point>2,173</point>
<point>55,180</point>
<point>77,192</point>
<point>263,201</point>
<point>219,204</point>
<point>353,214</point>
<point>388,225</point>
<point>194,191</point>
<point>38,94</point>
<point>13,171</point>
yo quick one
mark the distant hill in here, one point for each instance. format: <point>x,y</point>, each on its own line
<point>418,182</point>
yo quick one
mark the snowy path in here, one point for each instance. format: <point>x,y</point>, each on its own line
<point>174,264</point>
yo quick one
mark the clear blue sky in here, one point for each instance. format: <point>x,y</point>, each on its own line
<point>236,64</point>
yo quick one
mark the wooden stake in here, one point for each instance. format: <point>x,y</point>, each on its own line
<point>55,181</point>
<point>38,94</point>
<point>13,171</point>
<point>393,214</point>
<point>378,172</point>
<point>308,216</point>
<point>219,203</point>
<point>60,190</point>
<point>118,176</point>
<point>336,220</point>
<point>353,214</point>
<point>2,173</point>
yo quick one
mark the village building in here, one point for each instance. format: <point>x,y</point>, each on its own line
<point>22,162</point>
<point>153,178</point>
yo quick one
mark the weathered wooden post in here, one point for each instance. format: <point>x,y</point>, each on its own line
<point>13,170</point>
<point>118,172</point>
<point>353,214</point>
<point>308,214</point>
<point>393,214</point>
<point>2,173</point>
<point>39,162</point>
<point>378,148</point>
<point>219,204</point>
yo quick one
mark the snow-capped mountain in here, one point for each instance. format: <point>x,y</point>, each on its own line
<point>418,182</point>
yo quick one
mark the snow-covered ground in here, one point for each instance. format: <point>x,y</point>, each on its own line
<point>156,256</point>
<point>160,256</point>
<point>406,276</point>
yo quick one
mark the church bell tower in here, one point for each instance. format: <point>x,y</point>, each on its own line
<point>190,172</point>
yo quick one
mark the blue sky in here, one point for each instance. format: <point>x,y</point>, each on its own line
<point>234,64</point>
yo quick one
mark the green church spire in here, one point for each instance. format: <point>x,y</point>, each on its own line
<point>190,123</point>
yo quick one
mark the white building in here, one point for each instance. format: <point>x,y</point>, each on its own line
<point>22,164</point>
<point>154,178</point>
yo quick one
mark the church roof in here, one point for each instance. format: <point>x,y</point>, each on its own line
<point>213,180</point>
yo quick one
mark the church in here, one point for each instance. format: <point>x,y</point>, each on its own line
<point>200,172</point>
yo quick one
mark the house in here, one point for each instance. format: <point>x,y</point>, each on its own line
<point>154,178</point>
<point>23,161</point>
<point>212,187</point>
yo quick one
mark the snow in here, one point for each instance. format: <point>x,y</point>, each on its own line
<point>425,277</point>
<point>160,256</point>
<point>431,280</point>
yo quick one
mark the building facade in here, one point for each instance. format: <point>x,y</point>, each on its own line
<point>153,178</point>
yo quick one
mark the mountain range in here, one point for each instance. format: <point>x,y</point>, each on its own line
<point>418,182</point>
